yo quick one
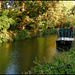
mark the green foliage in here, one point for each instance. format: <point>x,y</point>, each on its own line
<point>45,25</point>
<point>23,34</point>
<point>49,31</point>
<point>44,32</point>
<point>62,64</point>
<point>33,9</point>
<point>0,41</point>
<point>41,27</point>
<point>5,23</point>
<point>3,38</point>
<point>1,12</point>
<point>38,11</point>
<point>16,15</point>
<point>38,16</point>
<point>66,25</point>
<point>11,40</point>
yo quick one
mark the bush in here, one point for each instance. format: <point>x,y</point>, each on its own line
<point>62,64</point>
<point>23,34</point>
<point>3,38</point>
<point>49,31</point>
<point>5,22</point>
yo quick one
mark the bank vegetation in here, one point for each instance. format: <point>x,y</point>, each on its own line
<point>27,19</point>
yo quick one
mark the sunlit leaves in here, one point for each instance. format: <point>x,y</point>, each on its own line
<point>55,13</point>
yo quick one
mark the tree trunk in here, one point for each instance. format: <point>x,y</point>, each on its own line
<point>0,5</point>
<point>22,4</point>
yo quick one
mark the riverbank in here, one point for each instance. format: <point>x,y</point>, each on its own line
<point>61,64</point>
<point>24,34</point>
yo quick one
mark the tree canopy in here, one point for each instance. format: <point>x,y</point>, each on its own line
<point>33,14</point>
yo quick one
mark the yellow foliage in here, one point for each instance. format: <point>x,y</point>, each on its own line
<point>38,2</point>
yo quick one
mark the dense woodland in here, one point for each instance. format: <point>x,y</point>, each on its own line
<point>34,18</point>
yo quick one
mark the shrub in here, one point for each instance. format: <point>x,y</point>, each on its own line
<point>61,64</point>
<point>3,38</point>
<point>23,34</point>
<point>5,23</point>
<point>49,31</point>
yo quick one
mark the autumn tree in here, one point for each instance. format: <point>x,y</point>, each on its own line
<point>58,13</point>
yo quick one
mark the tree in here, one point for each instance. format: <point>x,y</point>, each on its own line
<point>59,13</point>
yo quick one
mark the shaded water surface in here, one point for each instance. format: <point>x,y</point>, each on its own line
<point>18,56</point>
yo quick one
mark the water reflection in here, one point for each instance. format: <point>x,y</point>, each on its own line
<point>17,57</point>
<point>63,46</point>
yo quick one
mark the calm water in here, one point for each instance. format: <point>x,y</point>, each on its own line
<point>18,56</point>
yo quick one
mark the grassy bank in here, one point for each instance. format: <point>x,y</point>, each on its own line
<point>24,34</point>
<point>63,63</point>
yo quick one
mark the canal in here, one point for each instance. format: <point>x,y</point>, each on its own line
<point>18,56</point>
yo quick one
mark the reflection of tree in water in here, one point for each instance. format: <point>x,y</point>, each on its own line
<point>50,46</point>
<point>4,57</point>
<point>18,56</point>
<point>64,47</point>
<point>41,47</point>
